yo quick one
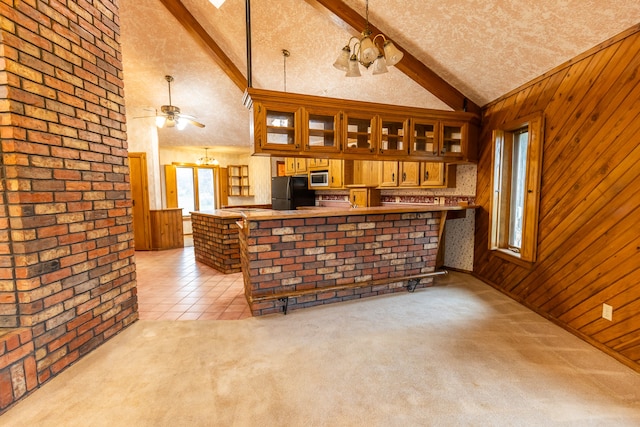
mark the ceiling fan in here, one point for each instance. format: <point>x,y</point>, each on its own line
<point>170,115</point>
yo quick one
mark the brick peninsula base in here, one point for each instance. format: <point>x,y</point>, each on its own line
<point>215,240</point>
<point>321,256</point>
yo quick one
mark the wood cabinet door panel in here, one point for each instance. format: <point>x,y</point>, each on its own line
<point>409,174</point>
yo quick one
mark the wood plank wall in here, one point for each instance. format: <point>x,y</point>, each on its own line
<point>589,223</point>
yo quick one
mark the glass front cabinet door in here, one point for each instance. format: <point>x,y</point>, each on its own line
<point>453,139</point>
<point>277,128</point>
<point>320,131</point>
<point>359,133</point>
<point>394,136</point>
<point>424,138</point>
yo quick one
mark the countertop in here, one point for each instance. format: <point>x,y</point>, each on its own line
<point>320,211</point>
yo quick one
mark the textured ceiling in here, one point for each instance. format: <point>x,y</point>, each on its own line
<point>483,48</point>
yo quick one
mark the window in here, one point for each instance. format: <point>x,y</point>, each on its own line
<point>515,196</point>
<point>190,188</point>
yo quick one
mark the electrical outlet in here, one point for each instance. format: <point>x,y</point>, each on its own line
<point>607,312</point>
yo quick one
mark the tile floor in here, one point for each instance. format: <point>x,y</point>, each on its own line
<point>173,286</point>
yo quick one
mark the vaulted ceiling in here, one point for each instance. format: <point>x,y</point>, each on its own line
<point>478,49</point>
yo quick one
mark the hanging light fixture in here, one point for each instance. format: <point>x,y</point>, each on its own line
<point>206,160</point>
<point>367,51</point>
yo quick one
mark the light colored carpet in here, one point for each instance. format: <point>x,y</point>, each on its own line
<point>456,354</point>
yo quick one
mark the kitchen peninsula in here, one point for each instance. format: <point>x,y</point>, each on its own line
<point>301,258</point>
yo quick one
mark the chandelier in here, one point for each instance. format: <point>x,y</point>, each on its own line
<point>206,160</point>
<point>367,51</point>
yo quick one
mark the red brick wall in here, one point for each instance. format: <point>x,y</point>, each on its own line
<point>316,253</point>
<point>68,245</point>
<point>215,242</point>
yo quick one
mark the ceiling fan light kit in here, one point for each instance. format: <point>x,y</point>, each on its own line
<point>172,117</point>
<point>366,51</point>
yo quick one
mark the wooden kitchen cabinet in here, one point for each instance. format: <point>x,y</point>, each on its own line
<point>424,138</point>
<point>409,174</point>
<point>295,125</point>
<point>314,164</point>
<point>437,175</point>
<point>388,174</point>
<point>321,130</point>
<point>417,174</point>
<point>366,172</point>
<point>453,139</point>
<point>364,197</point>
<point>432,174</point>
<point>393,135</point>
<point>443,140</point>
<point>295,166</point>
<point>277,127</point>
<point>359,133</point>
<point>340,173</point>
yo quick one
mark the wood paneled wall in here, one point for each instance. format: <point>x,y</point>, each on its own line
<point>589,223</point>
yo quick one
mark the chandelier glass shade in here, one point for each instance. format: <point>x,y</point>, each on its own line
<point>365,51</point>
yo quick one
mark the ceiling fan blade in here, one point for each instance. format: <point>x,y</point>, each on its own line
<point>193,122</point>
<point>191,119</point>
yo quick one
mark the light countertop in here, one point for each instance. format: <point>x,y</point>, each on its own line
<point>320,211</point>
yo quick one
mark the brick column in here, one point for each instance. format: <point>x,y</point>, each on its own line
<point>67,275</point>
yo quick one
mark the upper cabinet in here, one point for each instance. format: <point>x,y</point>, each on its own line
<point>320,131</point>
<point>276,127</point>
<point>424,138</point>
<point>359,133</point>
<point>295,125</point>
<point>453,139</point>
<point>394,135</point>
<point>295,166</point>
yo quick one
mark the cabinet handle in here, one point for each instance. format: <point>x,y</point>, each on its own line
<point>404,176</point>
<point>393,177</point>
<point>354,198</point>
<point>426,175</point>
<point>332,180</point>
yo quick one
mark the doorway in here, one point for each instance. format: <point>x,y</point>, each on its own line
<point>140,200</point>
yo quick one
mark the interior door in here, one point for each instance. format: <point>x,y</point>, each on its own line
<point>140,196</point>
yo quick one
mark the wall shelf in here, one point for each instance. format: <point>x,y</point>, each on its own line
<point>239,181</point>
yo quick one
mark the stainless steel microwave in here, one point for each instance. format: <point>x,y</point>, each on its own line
<point>318,179</point>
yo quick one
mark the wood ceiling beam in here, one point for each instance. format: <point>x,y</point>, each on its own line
<point>409,64</point>
<point>193,27</point>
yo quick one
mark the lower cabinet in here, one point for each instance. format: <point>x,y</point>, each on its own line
<point>362,197</point>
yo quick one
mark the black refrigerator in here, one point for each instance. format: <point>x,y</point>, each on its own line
<point>289,192</point>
